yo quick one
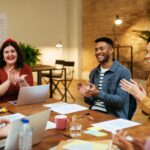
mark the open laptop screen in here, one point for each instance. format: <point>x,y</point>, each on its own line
<point>32,94</point>
<point>38,122</point>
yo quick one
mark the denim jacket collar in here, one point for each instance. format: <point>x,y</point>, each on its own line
<point>112,68</point>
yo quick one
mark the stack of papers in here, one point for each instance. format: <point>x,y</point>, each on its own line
<point>116,124</point>
<point>13,117</point>
<point>65,108</point>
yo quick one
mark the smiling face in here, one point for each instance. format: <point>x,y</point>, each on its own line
<point>10,55</point>
<point>103,52</point>
<point>148,52</point>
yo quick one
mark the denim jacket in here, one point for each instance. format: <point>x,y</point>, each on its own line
<point>115,99</point>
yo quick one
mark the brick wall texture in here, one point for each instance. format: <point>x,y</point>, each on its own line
<point>98,19</point>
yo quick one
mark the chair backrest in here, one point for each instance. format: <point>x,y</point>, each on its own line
<point>69,65</point>
<point>132,107</point>
<point>59,64</point>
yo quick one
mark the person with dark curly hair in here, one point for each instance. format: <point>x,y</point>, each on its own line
<point>13,72</point>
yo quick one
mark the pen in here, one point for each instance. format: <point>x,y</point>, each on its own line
<point>83,115</point>
<point>87,114</point>
<point>10,111</point>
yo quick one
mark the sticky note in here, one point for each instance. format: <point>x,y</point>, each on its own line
<point>95,133</point>
<point>94,128</point>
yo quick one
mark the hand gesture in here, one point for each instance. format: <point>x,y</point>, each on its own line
<point>93,90</point>
<point>88,90</point>
<point>5,128</point>
<point>10,74</point>
<point>120,139</point>
<point>21,78</point>
<point>133,88</point>
<point>141,88</point>
<point>83,89</point>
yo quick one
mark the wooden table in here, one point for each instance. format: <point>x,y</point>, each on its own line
<point>39,68</point>
<point>53,136</point>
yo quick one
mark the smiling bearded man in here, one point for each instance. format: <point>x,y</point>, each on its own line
<point>103,92</point>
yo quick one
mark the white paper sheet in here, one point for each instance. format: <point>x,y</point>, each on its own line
<point>58,104</point>
<point>13,117</point>
<point>50,125</point>
<point>65,108</point>
<point>116,124</point>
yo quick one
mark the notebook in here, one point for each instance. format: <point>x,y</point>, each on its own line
<point>32,94</point>
<point>38,123</point>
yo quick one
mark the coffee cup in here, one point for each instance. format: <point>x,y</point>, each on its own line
<point>61,122</point>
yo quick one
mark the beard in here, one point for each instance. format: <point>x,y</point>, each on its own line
<point>104,60</point>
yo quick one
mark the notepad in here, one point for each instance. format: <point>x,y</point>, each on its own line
<point>85,145</point>
<point>95,133</point>
<point>94,128</point>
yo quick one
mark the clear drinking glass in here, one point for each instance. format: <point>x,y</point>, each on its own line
<point>75,129</point>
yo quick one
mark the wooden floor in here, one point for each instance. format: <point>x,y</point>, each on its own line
<point>138,116</point>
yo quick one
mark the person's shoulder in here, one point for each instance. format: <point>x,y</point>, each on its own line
<point>122,70</point>
<point>122,67</point>
<point>94,69</point>
<point>2,69</point>
<point>3,73</point>
<point>26,67</point>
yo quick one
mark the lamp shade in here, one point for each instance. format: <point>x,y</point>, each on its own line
<point>59,44</point>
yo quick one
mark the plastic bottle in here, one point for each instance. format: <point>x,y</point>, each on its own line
<point>25,135</point>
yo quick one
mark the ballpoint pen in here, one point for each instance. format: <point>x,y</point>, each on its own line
<point>84,115</point>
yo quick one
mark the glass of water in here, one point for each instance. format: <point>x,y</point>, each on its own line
<point>75,129</point>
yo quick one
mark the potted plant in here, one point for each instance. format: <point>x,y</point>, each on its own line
<point>30,53</point>
<point>145,34</point>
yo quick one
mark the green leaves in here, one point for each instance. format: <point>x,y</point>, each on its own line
<point>30,54</point>
<point>145,34</point>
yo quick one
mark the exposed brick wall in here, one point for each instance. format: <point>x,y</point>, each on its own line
<point>98,18</point>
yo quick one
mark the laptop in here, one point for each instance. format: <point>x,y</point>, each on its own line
<point>32,94</point>
<point>38,122</point>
